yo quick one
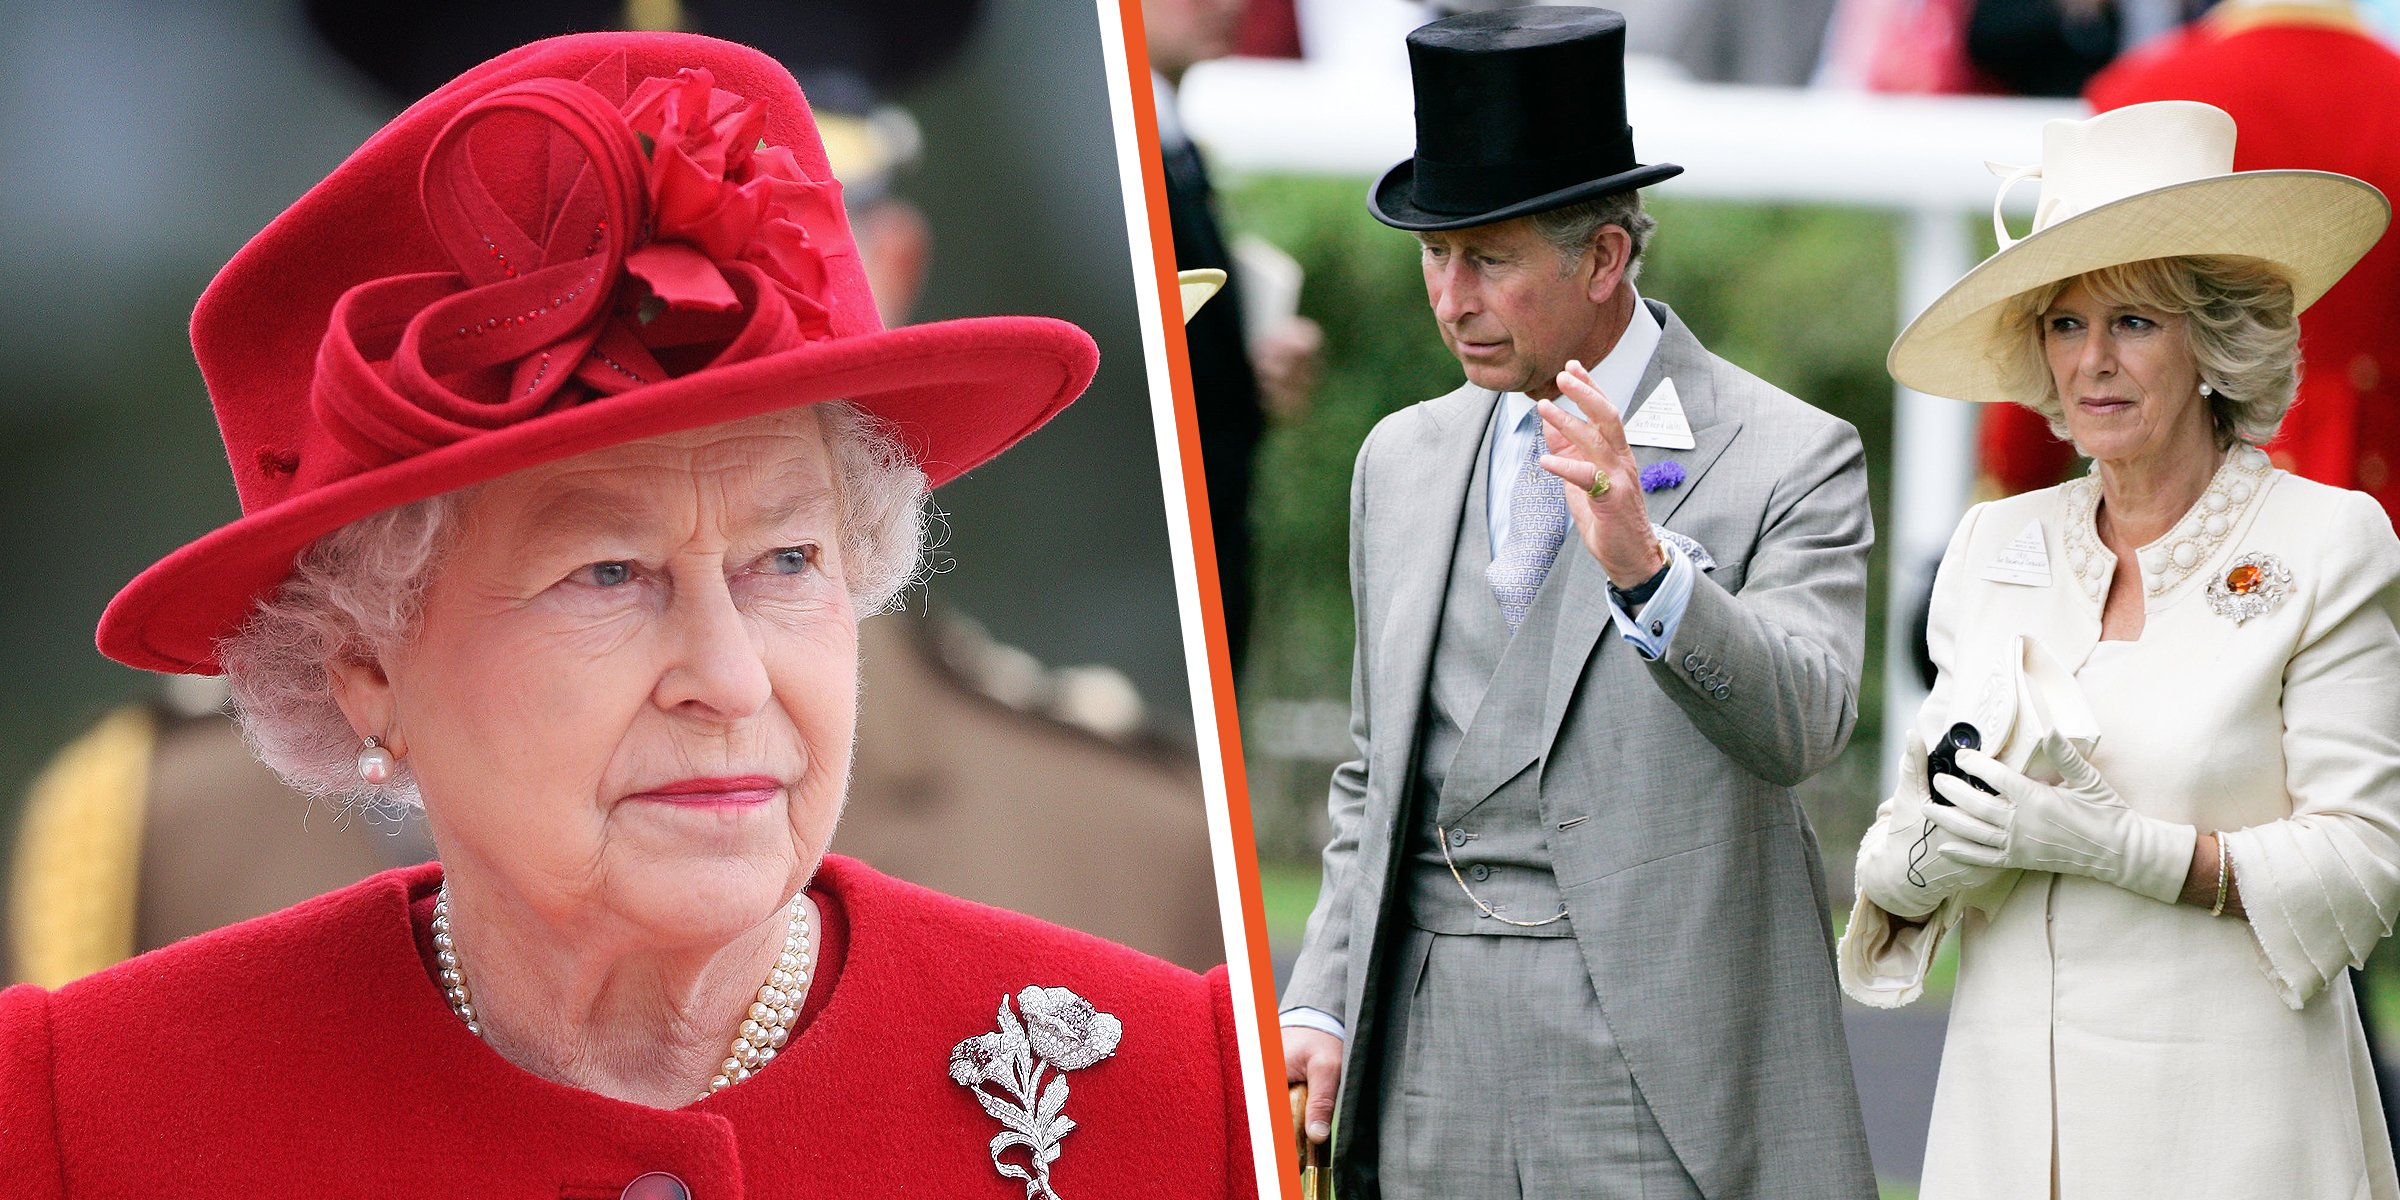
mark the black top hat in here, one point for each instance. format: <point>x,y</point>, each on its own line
<point>1519,110</point>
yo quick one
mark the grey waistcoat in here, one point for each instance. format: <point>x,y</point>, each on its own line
<point>1484,705</point>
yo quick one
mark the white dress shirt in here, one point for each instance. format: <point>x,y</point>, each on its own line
<point>1170,115</point>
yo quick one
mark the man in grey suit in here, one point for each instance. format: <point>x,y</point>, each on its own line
<point>1573,937</point>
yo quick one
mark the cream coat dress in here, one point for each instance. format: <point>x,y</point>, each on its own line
<point>2120,1046</point>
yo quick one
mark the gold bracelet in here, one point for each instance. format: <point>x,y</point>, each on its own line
<point>2223,864</point>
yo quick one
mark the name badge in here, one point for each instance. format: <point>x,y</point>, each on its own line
<point>1660,421</point>
<point>2024,561</point>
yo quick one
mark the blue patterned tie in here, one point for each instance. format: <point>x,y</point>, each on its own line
<point>1537,523</point>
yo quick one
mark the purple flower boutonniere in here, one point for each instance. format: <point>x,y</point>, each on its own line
<point>1661,475</point>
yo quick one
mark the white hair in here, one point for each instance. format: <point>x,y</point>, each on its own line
<point>1570,229</point>
<point>357,593</point>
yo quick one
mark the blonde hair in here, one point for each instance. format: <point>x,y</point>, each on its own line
<point>2239,322</point>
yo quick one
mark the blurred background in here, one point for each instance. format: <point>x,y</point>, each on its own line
<point>1025,732</point>
<point>1835,184</point>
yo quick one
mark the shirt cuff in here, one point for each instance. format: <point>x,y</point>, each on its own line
<point>1317,1019</point>
<point>1651,632</point>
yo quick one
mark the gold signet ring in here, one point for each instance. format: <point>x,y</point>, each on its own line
<point>1599,486</point>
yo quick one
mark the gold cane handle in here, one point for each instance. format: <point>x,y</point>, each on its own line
<point>1315,1182</point>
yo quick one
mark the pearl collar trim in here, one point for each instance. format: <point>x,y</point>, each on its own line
<point>2179,554</point>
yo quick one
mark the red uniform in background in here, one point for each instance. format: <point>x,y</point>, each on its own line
<point>2309,92</point>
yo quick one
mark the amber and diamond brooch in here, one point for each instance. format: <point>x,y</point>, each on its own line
<point>2251,587</point>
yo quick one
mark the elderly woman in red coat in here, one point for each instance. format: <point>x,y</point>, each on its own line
<point>571,453</point>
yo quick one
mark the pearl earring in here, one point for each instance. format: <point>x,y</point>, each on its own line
<point>2206,391</point>
<point>375,764</point>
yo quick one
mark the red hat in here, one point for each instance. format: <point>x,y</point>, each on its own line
<point>585,241</point>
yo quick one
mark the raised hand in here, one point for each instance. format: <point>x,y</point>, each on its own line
<point>1602,481</point>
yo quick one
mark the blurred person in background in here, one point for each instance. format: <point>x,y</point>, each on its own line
<point>563,503</point>
<point>1765,43</point>
<point>1988,47</point>
<point>2249,58</point>
<point>1573,934</point>
<point>158,824</point>
<point>1773,44</point>
<point>2165,809</point>
<point>1908,46</point>
<point>1239,380</point>
<point>2050,47</point>
<point>1732,41</point>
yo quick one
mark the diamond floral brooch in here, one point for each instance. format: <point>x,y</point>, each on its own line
<point>1060,1032</point>
<point>2251,587</point>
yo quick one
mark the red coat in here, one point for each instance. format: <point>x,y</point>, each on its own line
<point>2302,96</point>
<point>310,1053</point>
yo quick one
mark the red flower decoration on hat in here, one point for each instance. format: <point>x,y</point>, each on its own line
<point>582,242</point>
<point>718,194</point>
<point>599,247</point>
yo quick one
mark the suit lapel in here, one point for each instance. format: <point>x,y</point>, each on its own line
<point>1583,611</point>
<point>1427,524</point>
<point>1583,614</point>
<point>1414,534</point>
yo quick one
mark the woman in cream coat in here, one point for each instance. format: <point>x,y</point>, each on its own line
<point>2186,669</point>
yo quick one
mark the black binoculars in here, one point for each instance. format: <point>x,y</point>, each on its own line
<point>1943,760</point>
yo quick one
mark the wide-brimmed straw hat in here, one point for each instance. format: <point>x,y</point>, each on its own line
<point>2136,183</point>
<point>589,240</point>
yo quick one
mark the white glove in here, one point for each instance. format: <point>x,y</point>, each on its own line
<point>1898,867</point>
<point>2079,827</point>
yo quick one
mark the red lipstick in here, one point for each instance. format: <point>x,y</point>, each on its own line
<point>714,790</point>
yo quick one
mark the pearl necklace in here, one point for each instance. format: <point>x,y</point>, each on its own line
<point>765,1028</point>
